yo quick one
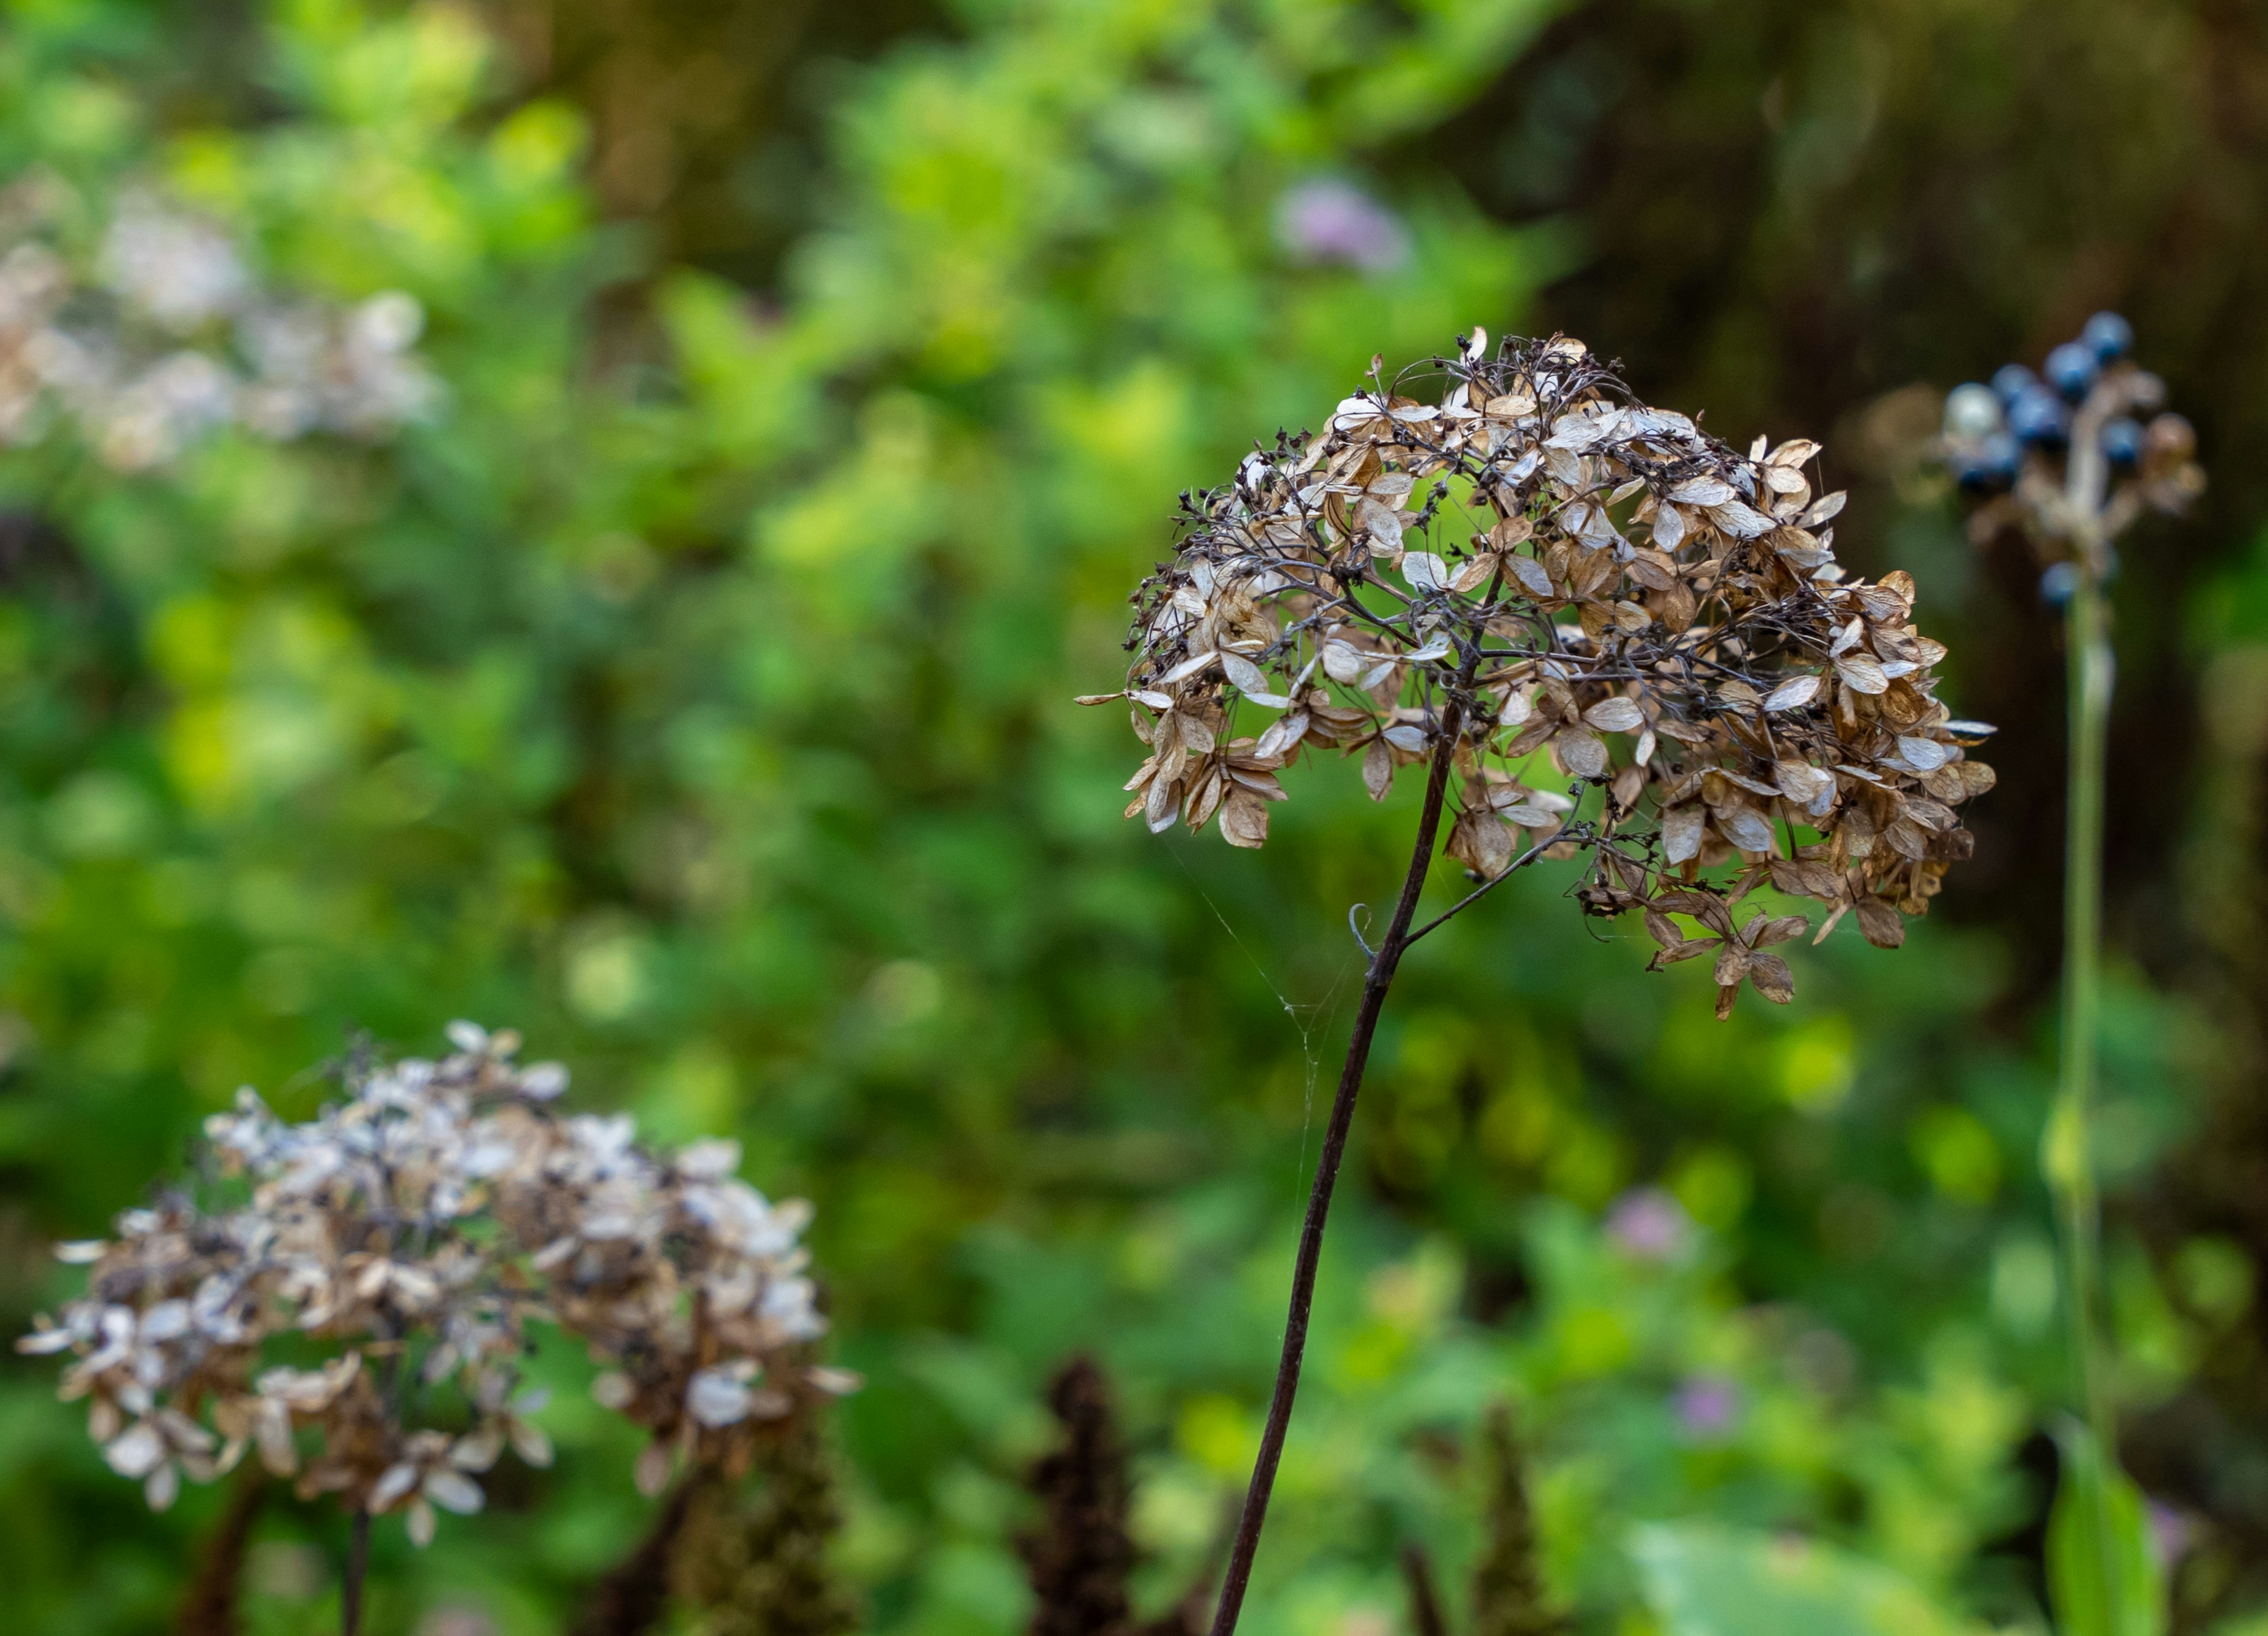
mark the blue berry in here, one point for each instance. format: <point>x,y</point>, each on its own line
<point>2122,442</point>
<point>2059,584</point>
<point>2011,382</point>
<point>2071,370</point>
<point>2001,457</point>
<point>2108,336</point>
<point>1972,412</point>
<point>2036,417</point>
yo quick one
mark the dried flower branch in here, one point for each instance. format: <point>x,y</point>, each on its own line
<point>165,335</point>
<point>1397,588</point>
<point>418,1229</point>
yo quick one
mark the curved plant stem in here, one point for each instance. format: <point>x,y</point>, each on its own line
<point>1375,982</point>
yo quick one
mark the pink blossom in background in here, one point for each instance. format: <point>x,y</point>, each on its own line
<point>1332,221</point>
<point>1706,1406</point>
<point>1646,1223</point>
<point>2171,1532</point>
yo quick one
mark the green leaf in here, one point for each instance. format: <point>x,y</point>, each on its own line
<point>1702,1579</point>
<point>2102,1575</point>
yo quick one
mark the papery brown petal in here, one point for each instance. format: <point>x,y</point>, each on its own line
<point>1733,962</point>
<point>1580,753</point>
<point>1746,828</point>
<point>1680,832</point>
<point>1791,693</point>
<point>1772,978</point>
<point>1244,819</point>
<point>1883,927</point>
<point>1781,929</point>
<point>1532,577</point>
<point>1615,715</point>
<point>1378,770</point>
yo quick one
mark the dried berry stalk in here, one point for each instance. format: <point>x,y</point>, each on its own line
<point>1719,697</point>
<point>2069,462</point>
<point>417,1230</point>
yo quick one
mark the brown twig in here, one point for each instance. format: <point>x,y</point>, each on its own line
<point>357,1569</point>
<point>628,1600</point>
<point>1378,978</point>
<point>209,1607</point>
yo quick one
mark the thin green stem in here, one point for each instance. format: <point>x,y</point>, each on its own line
<point>2070,1156</point>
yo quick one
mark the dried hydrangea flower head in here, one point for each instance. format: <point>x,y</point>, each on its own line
<point>1503,566</point>
<point>2066,455</point>
<point>163,336</point>
<point>1506,554</point>
<point>414,1230</point>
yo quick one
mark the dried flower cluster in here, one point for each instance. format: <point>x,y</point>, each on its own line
<point>395,1250</point>
<point>1532,571</point>
<point>165,336</point>
<point>2064,455</point>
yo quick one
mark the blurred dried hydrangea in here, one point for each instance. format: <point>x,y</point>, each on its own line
<point>1528,570</point>
<point>163,336</point>
<point>360,1314</point>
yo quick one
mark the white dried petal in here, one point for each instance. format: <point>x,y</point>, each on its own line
<point>715,1399</point>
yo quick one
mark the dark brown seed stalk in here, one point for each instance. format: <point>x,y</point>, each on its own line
<point>1425,1616</point>
<point>760,1567</point>
<point>1509,1597</point>
<point>209,1608</point>
<point>1078,1560</point>
<point>1375,982</point>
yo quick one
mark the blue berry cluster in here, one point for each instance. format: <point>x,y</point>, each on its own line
<point>1987,429</point>
<point>2012,448</point>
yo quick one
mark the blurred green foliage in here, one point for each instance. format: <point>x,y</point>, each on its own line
<point>692,692</point>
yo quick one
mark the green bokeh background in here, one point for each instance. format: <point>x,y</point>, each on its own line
<point>693,693</point>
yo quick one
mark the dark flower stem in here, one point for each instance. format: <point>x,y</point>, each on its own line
<point>357,1568</point>
<point>211,1607</point>
<point>1376,982</point>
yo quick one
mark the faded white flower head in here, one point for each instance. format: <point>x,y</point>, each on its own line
<point>416,1229</point>
<point>167,336</point>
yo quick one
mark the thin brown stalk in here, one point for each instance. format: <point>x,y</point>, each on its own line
<point>209,1607</point>
<point>629,1600</point>
<point>357,1569</point>
<point>1377,979</point>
